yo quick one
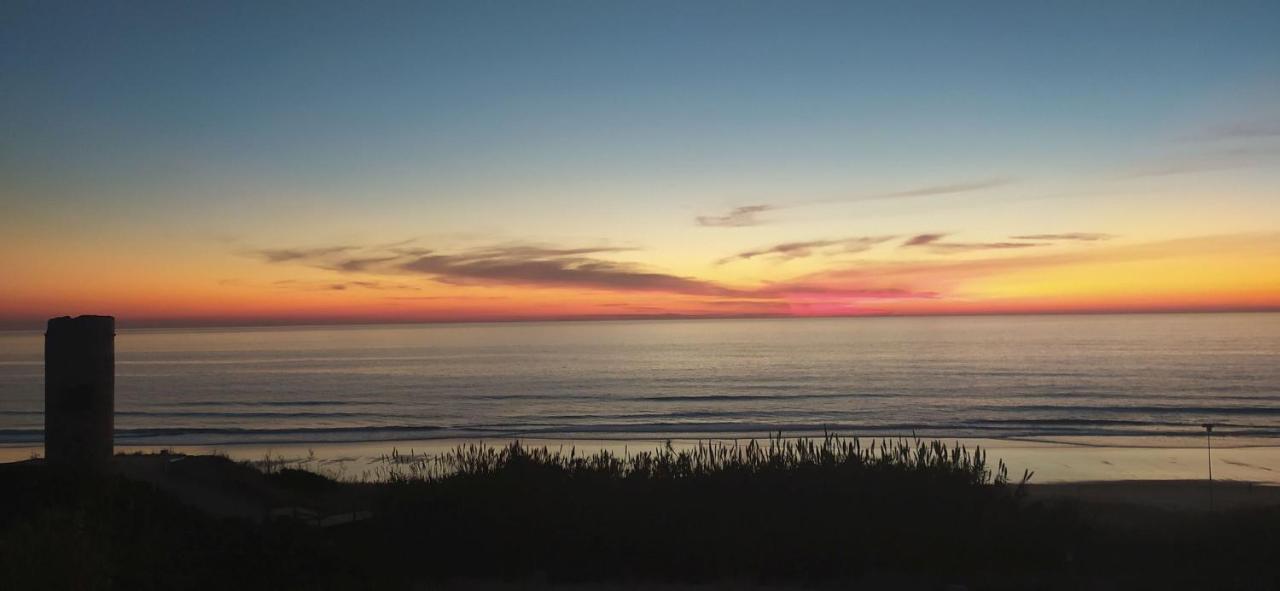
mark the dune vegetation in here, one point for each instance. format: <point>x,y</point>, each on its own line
<point>803,512</point>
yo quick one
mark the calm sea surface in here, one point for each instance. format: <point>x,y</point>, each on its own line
<point>1014,376</point>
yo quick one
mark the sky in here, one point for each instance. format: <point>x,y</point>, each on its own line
<point>225,163</point>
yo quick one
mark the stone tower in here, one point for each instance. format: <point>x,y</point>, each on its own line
<point>79,391</point>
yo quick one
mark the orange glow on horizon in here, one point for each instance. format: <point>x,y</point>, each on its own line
<point>1231,273</point>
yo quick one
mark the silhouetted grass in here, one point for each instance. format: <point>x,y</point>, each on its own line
<point>827,511</point>
<point>933,460</point>
<point>803,508</point>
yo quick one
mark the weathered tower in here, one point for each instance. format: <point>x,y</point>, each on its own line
<point>79,390</point>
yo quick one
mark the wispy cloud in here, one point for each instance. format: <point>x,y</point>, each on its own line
<point>510,264</point>
<point>1070,236</point>
<point>795,250</point>
<point>949,247</point>
<point>962,187</point>
<point>355,265</point>
<point>281,255</point>
<point>446,298</point>
<point>923,239</point>
<point>748,215</point>
<point>848,288</point>
<point>583,268</point>
<point>810,290</point>
<point>553,267</point>
<point>737,217</point>
<point>935,243</point>
<point>944,275</point>
<point>310,285</point>
<point>1254,129</point>
<point>1208,161</point>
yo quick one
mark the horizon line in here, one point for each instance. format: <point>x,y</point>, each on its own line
<point>150,324</point>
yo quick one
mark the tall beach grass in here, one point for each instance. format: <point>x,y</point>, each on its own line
<point>833,454</point>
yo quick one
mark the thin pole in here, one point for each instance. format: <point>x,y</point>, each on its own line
<point>1208,446</point>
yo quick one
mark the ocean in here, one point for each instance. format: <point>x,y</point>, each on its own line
<point>998,377</point>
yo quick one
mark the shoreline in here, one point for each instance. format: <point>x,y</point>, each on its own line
<point>1075,460</point>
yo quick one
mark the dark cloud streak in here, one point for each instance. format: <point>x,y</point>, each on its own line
<point>934,243</point>
<point>511,264</point>
<point>281,255</point>
<point>553,268</point>
<point>1070,236</point>
<point>795,250</point>
<point>945,189</point>
<point>747,215</point>
<point>923,239</point>
<point>736,218</point>
<point>540,266</point>
<point>302,285</point>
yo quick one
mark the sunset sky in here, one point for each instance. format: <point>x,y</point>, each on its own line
<point>205,163</point>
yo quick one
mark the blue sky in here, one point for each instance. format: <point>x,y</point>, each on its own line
<point>313,90</point>
<point>276,124</point>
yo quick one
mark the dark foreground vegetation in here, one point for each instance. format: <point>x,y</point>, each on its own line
<point>819,513</point>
